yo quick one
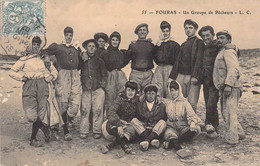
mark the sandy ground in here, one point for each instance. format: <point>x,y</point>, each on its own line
<point>15,134</point>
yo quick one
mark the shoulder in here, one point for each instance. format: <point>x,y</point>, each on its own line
<point>174,43</point>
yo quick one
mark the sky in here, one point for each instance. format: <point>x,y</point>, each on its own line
<point>87,17</point>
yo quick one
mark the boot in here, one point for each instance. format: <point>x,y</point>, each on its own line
<point>187,136</point>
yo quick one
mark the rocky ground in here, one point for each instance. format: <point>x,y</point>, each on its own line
<point>15,133</point>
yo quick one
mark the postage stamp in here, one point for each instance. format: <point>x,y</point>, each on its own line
<point>23,17</point>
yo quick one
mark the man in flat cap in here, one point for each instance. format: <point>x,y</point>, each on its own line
<point>167,51</point>
<point>187,70</point>
<point>141,52</point>
<point>151,118</point>
<point>94,80</point>
<point>68,85</point>
<point>226,78</point>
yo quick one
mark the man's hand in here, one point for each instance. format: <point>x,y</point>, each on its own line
<point>227,90</point>
<point>192,126</point>
<point>49,78</point>
<point>120,131</point>
<point>84,56</point>
<point>194,80</point>
<point>47,61</point>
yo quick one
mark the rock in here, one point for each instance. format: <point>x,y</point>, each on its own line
<point>257,74</point>
<point>4,100</point>
<point>246,86</point>
<point>256,84</point>
<point>164,154</point>
<point>217,154</point>
<point>255,92</point>
<point>255,139</point>
<point>196,147</point>
<point>186,160</point>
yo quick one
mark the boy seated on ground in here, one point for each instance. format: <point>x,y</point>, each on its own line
<point>117,127</point>
<point>182,124</point>
<point>151,116</point>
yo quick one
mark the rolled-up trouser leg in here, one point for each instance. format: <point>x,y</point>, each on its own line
<point>98,100</point>
<point>85,111</point>
<point>170,133</point>
<point>184,81</point>
<point>160,127</point>
<point>138,126</point>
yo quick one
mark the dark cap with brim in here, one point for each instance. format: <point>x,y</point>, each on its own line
<point>139,26</point>
<point>224,32</point>
<point>85,43</point>
<point>101,35</point>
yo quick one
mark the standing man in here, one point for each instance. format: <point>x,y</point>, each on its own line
<point>101,38</point>
<point>141,53</point>
<point>94,80</point>
<point>211,95</point>
<point>226,76</point>
<point>187,70</point>
<point>151,118</point>
<point>167,51</point>
<point>67,86</point>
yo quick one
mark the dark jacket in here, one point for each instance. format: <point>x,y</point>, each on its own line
<point>122,109</point>
<point>167,53</point>
<point>210,54</point>
<point>142,54</point>
<point>150,118</point>
<point>67,57</point>
<point>197,50</point>
<point>93,73</point>
<point>113,58</point>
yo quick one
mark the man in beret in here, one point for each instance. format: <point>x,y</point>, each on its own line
<point>151,118</point>
<point>94,80</point>
<point>68,85</point>
<point>226,78</point>
<point>187,70</point>
<point>166,53</point>
<point>141,52</point>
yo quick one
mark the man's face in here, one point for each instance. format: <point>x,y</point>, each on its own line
<point>207,37</point>
<point>166,33</point>
<point>68,37</point>
<point>189,30</point>
<point>101,43</point>
<point>142,33</point>
<point>35,47</point>
<point>174,93</point>
<point>114,42</point>
<point>150,96</point>
<point>91,48</point>
<point>130,93</point>
<point>222,40</point>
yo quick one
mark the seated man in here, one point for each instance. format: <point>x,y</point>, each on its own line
<point>182,123</point>
<point>121,112</point>
<point>151,117</point>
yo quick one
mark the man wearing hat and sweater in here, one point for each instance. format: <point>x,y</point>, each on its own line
<point>141,52</point>
<point>166,53</point>
<point>151,118</point>
<point>94,80</point>
<point>67,86</point>
<point>187,70</point>
<point>226,78</point>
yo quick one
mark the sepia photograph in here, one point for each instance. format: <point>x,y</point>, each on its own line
<point>129,83</point>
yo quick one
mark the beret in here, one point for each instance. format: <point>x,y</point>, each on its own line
<point>139,26</point>
<point>191,22</point>
<point>101,35</point>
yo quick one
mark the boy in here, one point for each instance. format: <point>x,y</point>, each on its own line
<point>120,114</point>
<point>151,116</point>
<point>94,80</point>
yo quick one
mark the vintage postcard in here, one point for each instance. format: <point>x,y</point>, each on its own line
<point>35,32</point>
